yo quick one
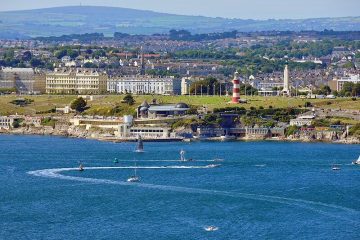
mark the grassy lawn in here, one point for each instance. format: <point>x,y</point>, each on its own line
<point>107,102</point>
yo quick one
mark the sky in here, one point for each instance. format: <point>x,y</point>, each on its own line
<point>244,9</point>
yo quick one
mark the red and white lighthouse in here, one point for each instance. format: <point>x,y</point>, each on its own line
<point>236,89</point>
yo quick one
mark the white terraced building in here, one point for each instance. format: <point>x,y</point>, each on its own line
<point>76,81</point>
<point>143,84</point>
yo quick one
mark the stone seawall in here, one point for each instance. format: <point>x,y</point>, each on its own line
<point>67,130</point>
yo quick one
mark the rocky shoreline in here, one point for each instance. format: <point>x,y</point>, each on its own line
<point>67,130</point>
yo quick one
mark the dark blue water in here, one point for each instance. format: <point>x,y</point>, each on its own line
<point>263,190</point>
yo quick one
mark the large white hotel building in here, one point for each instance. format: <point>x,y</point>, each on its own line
<point>144,84</point>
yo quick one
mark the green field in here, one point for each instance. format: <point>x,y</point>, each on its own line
<point>105,103</point>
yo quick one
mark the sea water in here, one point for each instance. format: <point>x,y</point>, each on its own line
<point>262,190</point>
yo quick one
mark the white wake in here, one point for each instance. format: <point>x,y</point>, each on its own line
<point>340,212</point>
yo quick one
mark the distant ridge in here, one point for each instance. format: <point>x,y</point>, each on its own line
<point>87,19</point>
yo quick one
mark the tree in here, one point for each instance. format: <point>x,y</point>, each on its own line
<point>27,56</point>
<point>129,99</point>
<point>78,104</point>
<point>61,53</point>
<point>90,65</point>
<point>36,62</point>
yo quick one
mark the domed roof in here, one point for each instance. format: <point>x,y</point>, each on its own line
<point>143,109</point>
<point>145,104</point>
<point>181,105</point>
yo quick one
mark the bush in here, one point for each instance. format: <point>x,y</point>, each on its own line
<point>291,130</point>
<point>129,99</point>
<point>22,102</point>
<point>355,130</point>
<point>307,104</point>
<point>17,123</point>
<point>48,121</point>
<point>78,104</point>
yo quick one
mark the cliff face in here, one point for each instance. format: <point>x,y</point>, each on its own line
<point>324,136</point>
<point>59,130</point>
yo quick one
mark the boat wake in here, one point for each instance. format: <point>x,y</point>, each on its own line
<point>174,160</point>
<point>331,210</point>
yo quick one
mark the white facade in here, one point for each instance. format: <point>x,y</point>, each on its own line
<point>352,78</point>
<point>144,85</point>
<point>300,122</point>
<point>286,89</point>
<point>6,122</point>
<point>126,131</point>
<point>72,81</point>
<point>186,83</point>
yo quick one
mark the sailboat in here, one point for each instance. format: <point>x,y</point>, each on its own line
<point>140,145</point>
<point>356,162</point>
<point>183,158</point>
<point>134,178</point>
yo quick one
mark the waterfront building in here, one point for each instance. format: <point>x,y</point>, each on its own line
<point>128,130</point>
<point>100,122</point>
<point>144,84</point>
<point>248,132</point>
<point>24,80</point>
<point>6,122</point>
<point>299,122</point>
<point>33,120</point>
<point>158,111</point>
<point>304,120</point>
<point>146,132</point>
<point>76,81</point>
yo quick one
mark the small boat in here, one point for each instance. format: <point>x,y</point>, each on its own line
<point>213,165</point>
<point>227,137</point>
<point>134,178</point>
<point>140,145</point>
<point>81,167</point>
<point>336,168</point>
<point>218,160</point>
<point>356,162</point>
<point>211,228</point>
<point>116,160</point>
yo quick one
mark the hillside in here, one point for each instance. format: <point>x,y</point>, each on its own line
<point>85,19</point>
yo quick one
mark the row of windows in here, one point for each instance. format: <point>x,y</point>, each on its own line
<point>75,82</point>
<point>72,87</point>
<point>146,130</point>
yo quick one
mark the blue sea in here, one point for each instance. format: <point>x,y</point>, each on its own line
<point>262,190</point>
